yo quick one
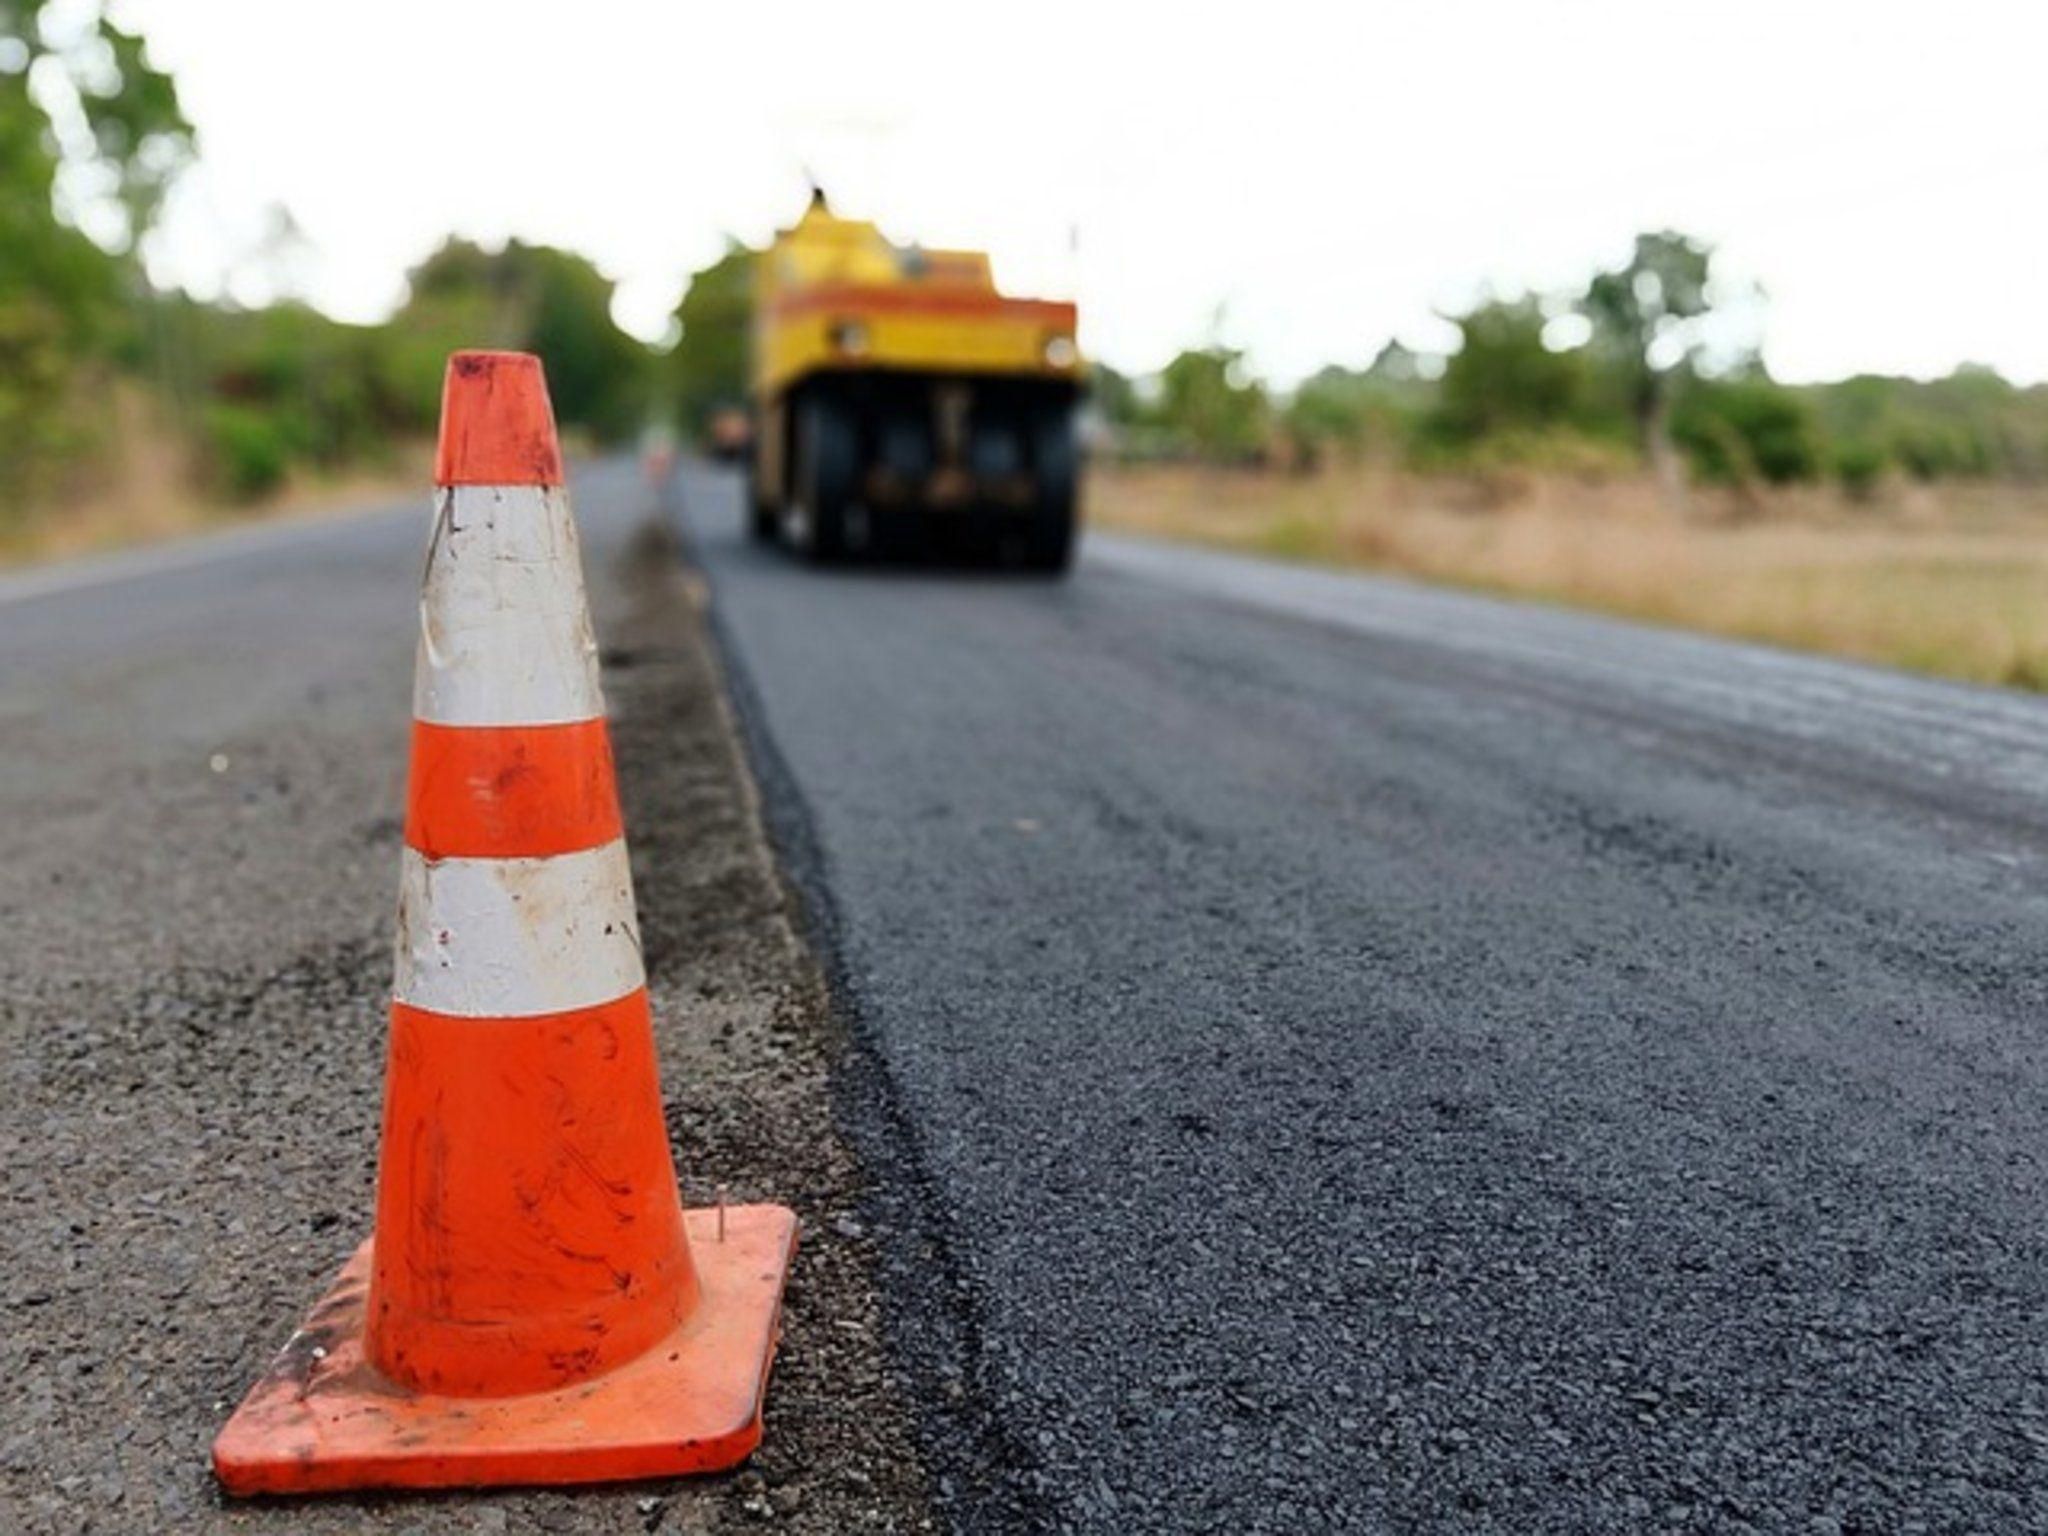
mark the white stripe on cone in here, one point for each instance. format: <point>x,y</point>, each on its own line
<point>512,938</point>
<point>504,632</point>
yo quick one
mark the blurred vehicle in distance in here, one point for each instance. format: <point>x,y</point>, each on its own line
<point>729,435</point>
<point>898,395</point>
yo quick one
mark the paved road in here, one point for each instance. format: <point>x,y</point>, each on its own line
<point>1345,1056</point>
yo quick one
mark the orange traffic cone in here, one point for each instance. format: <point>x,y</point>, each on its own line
<point>535,1305</point>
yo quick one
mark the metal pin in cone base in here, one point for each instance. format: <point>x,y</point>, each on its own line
<point>322,1419</point>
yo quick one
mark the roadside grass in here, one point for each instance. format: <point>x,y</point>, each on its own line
<point>145,488</point>
<point>155,516</point>
<point>1952,582</point>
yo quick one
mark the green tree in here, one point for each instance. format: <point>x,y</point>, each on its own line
<point>1115,397</point>
<point>539,299</point>
<point>598,376</point>
<point>1745,430</point>
<point>1212,406</point>
<point>1397,366</point>
<point>707,371</point>
<point>96,104</point>
<point>56,290</point>
<point>1504,378</point>
<point>102,104</point>
<point>1645,317</point>
<point>1970,423</point>
<point>1352,411</point>
<point>1330,410</point>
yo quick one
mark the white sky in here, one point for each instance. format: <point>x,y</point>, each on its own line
<point>1327,176</point>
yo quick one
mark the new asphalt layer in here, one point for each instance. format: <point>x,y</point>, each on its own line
<point>1334,1055</point>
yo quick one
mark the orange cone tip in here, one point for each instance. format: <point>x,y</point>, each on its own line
<point>497,427</point>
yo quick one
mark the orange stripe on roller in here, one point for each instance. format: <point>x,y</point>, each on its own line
<point>510,791</point>
<point>497,427</point>
<point>859,298</point>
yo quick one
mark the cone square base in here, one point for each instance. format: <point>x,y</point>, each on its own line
<point>322,1419</point>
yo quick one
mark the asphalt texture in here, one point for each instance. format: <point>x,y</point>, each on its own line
<point>202,785</point>
<point>1335,1055</point>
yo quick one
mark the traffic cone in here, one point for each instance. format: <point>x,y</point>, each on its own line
<point>535,1305</point>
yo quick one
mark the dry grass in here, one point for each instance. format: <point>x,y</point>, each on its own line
<point>142,491</point>
<point>1955,584</point>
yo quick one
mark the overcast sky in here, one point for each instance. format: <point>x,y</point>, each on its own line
<point>1303,180</point>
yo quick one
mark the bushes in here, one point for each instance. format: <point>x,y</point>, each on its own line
<point>1213,407</point>
<point>535,298</point>
<point>1338,410</point>
<point>1566,451</point>
<point>248,450</point>
<point>1859,467</point>
<point>1504,378</point>
<point>1740,431</point>
<point>707,371</point>
<point>265,392</point>
<point>45,422</point>
<point>1938,451</point>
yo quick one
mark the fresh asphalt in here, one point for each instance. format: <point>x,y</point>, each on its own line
<point>1336,1055</point>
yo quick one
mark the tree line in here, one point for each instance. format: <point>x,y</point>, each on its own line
<point>1616,375</point>
<point>92,137</point>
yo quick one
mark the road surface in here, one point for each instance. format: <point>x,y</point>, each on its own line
<point>1325,1054</point>
<point>1342,1056</point>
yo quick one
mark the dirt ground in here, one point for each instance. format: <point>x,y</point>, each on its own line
<point>191,1068</point>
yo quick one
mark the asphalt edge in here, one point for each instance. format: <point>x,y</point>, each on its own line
<point>986,1478</point>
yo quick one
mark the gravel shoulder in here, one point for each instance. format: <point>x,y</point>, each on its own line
<point>202,790</point>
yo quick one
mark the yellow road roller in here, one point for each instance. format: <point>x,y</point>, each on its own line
<point>901,401</point>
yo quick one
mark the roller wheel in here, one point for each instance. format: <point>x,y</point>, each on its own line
<point>1048,544</point>
<point>826,463</point>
